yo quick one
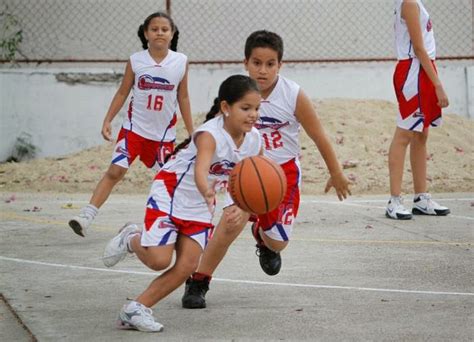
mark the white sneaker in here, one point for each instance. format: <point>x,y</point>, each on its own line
<point>424,205</point>
<point>138,317</point>
<point>396,210</point>
<point>116,249</point>
<point>80,224</point>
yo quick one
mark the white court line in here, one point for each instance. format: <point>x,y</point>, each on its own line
<point>356,204</point>
<point>252,282</point>
<point>385,200</point>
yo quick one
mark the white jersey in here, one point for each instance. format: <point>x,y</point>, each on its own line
<point>403,43</point>
<point>174,190</point>
<point>152,109</point>
<point>277,123</point>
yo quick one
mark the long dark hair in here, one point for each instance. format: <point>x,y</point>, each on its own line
<point>231,90</point>
<point>144,27</point>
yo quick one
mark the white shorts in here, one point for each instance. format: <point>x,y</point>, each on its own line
<point>162,229</point>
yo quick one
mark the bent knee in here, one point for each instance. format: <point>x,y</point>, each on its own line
<point>275,245</point>
<point>158,264</point>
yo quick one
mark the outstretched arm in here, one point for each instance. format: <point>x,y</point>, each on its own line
<point>306,115</point>
<point>118,101</point>
<point>184,103</point>
<point>411,14</point>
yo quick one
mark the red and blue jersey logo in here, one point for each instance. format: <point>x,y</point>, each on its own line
<point>221,168</point>
<point>147,82</point>
<point>269,122</point>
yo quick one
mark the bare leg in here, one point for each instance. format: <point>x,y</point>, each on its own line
<point>274,245</point>
<point>216,249</point>
<point>418,161</point>
<point>156,258</point>
<point>188,253</point>
<point>396,159</point>
<point>103,189</point>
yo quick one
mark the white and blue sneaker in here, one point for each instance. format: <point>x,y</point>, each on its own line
<point>137,316</point>
<point>80,223</point>
<point>116,250</point>
<point>424,205</point>
<point>396,210</point>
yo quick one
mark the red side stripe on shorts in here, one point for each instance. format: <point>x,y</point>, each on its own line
<point>407,107</point>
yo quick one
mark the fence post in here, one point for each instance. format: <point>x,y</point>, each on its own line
<point>168,7</point>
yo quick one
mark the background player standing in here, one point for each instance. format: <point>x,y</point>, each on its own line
<point>420,96</point>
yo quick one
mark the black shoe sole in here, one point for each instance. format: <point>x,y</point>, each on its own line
<point>416,211</point>
<point>193,306</point>
<point>76,227</point>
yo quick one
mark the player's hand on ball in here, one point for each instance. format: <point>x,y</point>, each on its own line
<point>340,183</point>
<point>107,131</point>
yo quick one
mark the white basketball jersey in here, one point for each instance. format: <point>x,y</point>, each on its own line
<point>152,109</point>
<point>178,195</point>
<point>277,123</point>
<point>403,43</point>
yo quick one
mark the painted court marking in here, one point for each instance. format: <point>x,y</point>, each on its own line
<point>16,217</point>
<point>251,282</point>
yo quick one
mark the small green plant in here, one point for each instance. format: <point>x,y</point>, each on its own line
<point>11,35</point>
<point>23,149</point>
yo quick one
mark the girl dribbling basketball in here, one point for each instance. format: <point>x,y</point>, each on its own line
<point>180,206</point>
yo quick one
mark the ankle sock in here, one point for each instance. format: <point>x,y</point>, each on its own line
<point>201,277</point>
<point>417,196</point>
<point>129,240</point>
<point>90,210</point>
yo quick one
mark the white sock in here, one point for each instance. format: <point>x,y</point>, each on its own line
<point>418,195</point>
<point>90,211</point>
<point>129,240</point>
<point>132,305</point>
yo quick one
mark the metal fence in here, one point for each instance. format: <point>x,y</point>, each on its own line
<point>214,31</point>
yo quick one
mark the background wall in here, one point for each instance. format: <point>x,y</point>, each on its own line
<point>62,107</point>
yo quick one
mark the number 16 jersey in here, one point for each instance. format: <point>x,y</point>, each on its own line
<point>152,109</point>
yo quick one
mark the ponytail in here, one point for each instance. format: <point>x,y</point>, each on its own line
<point>174,41</point>
<point>215,109</point>
<point>141,35</point>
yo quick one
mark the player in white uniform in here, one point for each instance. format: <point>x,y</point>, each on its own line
<point>284,110</point>
<point>420,96</point>
<point>158,78</point>
<point>182,199</point>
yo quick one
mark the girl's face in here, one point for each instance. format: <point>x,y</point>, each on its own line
<point>159,33</point>
<point>263,66</point>
<point>244,113</point>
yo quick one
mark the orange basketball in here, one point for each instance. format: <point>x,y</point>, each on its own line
<point>257,184</point>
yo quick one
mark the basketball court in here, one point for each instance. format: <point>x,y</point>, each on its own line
<point>348,274</point>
